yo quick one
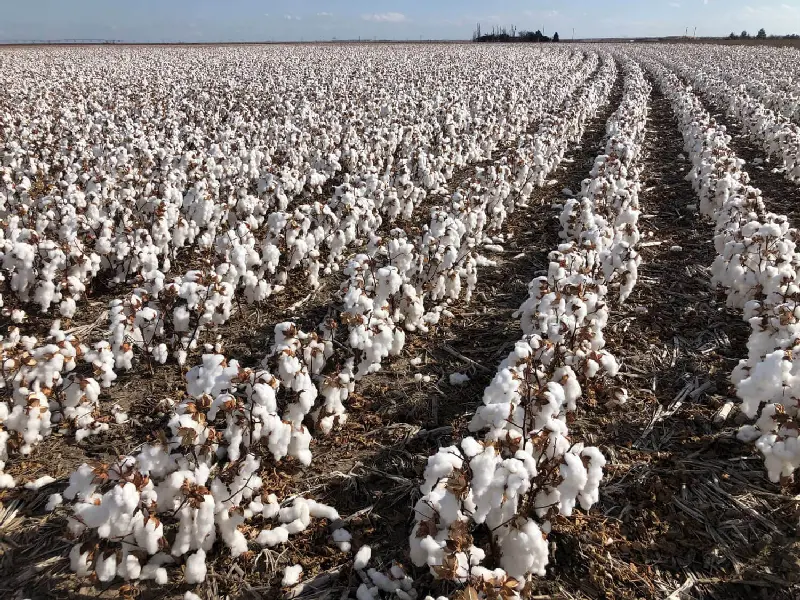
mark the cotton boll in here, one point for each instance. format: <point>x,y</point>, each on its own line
<point>341,538</point>
<point>363,593</point>
<point>106,567</point>
<point>79,561</point>
<point>6,481</point>
<point>129,568</point>
<point>233,538</point>
<point>155,570</point>
<point>53,501</point>
<point>362,557</point>
<point>39,483</point>
<point>68,308</point>
<point>273,537</point>
<point>271,508</point>
<point>524,551</point>
<point>291,575</point>
<point>322,511</point>
<point>195,567</point>
<point>160,353</point>
<point>458,378</point>
<point>382,582</point>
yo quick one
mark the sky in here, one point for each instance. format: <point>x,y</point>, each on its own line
<point>308,20</point>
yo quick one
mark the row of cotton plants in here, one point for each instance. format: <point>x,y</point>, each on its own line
<point>124,163</point>
<point>232,416</point>
<point>777,134</point>
<point>525,469</point>
<point>757,265</point>
<point>768,74</point>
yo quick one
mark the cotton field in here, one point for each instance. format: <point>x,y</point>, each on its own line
<point>400,321</point>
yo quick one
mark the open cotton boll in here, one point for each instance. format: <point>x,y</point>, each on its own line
<point>191,596</point>
<point>273,537</point>
<point>364,592</point>
<point>524,551</point>
<point>39,483</point>
<point>53,501</point>
<point>68,308</point>
<point>383,582</point>
<point>342,537</point>
<point>458,378</point>
<point>291,575</point>
<point>322,511</point>
<point>6,481</point>
<point>79,561</point>
<point>129,568</point>
<point>106,567</point>
<point>196,567</point>
<point>361,559</point>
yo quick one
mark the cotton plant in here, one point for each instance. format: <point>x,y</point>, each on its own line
<point>201,479</point>
<point>42,393</point>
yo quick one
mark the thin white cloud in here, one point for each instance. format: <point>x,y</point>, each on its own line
<point>324,14</point>
<point>291,17</point>
<point>389,17</point>
<point>547,14</point>
<point>675,4</point>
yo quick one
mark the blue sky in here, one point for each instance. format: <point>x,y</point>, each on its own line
<point>284,20</point>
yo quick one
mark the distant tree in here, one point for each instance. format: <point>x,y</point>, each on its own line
<point>792,36</point>
<point>501,34</point>
<point>762,34</point>
<point>745,35</point>
<point>733,36</point>
<point>555,37</point>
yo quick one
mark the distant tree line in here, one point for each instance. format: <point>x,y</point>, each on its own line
<point>761,35</point>
<point>501,34</point>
